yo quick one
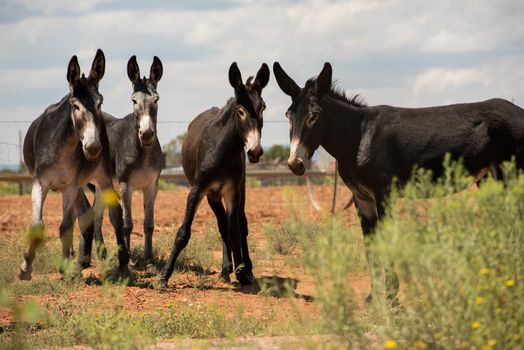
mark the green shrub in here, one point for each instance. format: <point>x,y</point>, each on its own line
<point>112,327</point>
<point>164,185</point>
<point>328,248</point>
<point>199,253</point>
<point>283,238</point>
<point>252,182</point>
<point>460,260</point>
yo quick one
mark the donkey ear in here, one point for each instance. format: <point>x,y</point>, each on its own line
<point>287,85</point>
<point>73,72</point>
<point>133,71</point>
<point>262,77</point>
<point>324,79</point>
<point>156,71</point>
<point>98,67</point>
<point>235,78</point>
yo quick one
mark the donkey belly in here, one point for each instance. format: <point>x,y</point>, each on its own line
<point>143,178</point>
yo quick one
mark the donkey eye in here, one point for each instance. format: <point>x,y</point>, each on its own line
<point>156,99</point>
<point>134,101</point>
<point>242,113</point>
<point>76,107</point>
<point>312,119</point>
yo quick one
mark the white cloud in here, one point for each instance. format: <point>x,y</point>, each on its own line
<point>49,7</point>
<point>442,79</point>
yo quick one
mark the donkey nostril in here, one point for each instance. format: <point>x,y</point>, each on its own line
<point>147,136</point>
<point>300,165</point>
<point>93,149</point>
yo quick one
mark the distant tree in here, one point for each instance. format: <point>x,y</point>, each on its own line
<point>173,151</point>
<point>276,153</point>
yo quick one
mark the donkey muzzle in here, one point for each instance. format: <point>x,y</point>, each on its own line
<point>146,137</point>
<point>298,158</point>
<point>92,151</point>
<point>254,154</point>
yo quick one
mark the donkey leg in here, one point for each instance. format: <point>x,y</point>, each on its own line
<point>149,220</point>
<point>115,216</point>
<point>126,196</point>
<point>69,196</point>
<point>221,215</point>
<point>232,200</point>
<point>392,283</point>
<point>85,222</point>
<point>367,212</point>
<point>244,233</point>
<point>99,208</point>
<point>184,232</point>
<point>36,231</point>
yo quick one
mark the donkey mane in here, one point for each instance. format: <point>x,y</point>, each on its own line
<point>338,93</point>
<point>249,83</point>
<point>222,115</point>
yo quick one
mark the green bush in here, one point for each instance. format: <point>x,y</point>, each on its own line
<point>164,185</point>
<point>460,260</point>
<point>331,251</point>
<point>283,238</point>
<point>114,328</point>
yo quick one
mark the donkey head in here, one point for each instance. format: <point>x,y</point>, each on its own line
<point>306,122</point>
<point>249,108</point>
<point>145,99</point>
<point>86,102</point>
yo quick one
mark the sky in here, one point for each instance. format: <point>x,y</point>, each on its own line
<point>405,53</point>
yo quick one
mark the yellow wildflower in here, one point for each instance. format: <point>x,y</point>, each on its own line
<point>479,300</point>
<point>390,344</point>
<point>509,283</point>
<point>492,342</point>
<point>484,271</point>
<point>109,198</point>
<point>419,344</point>
<point>475,325</point>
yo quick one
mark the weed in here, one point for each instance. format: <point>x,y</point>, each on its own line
<point>460,262</point>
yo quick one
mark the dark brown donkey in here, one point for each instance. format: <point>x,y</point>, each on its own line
<point>214,162</point>
<point>65,148</point>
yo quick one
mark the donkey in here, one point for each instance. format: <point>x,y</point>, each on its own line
<point>374,145</point>
<point>214,162</point>
<point>136,157</point>
<point>65,148</point>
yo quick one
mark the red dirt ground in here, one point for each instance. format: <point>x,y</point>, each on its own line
<point>264,205</point>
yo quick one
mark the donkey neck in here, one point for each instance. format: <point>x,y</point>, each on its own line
<point>342,130</point>
<point>228,133</point>
<point>64,128</point>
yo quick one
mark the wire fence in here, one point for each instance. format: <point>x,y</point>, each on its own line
<point>159,122</point>
<point>10,152</point>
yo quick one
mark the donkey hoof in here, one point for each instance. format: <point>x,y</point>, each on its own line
<point>369,298</point>
<point>24,275</point>
<point>149,260</point>
<point>84,263</point>
<point>162,281</point>
<point>224,277</point>
<point>393,302</point>
<point>243,278</point>
<point>131,264</point>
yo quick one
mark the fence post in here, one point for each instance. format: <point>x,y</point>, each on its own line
<point>333,204</point>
